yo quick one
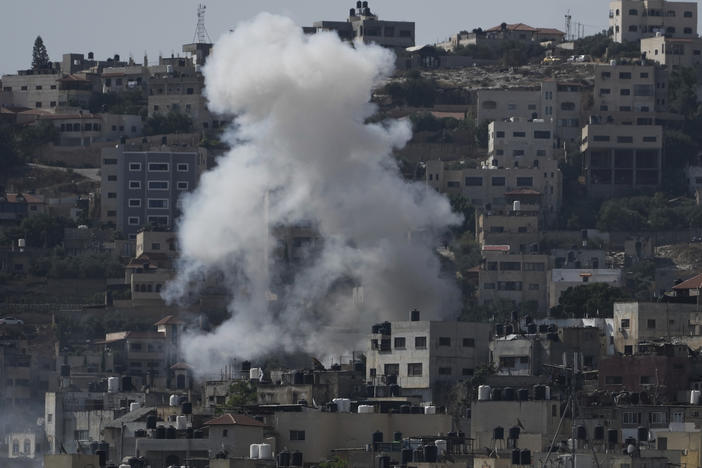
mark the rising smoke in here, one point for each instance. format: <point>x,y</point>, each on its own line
<point>305,156</point>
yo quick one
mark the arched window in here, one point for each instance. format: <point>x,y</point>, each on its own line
<point>15,447</point>
<point>27,446</point>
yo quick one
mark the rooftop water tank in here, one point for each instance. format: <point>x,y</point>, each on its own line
<point>694,397</point>
<point>173,400</point>
<point>430,410</point>
<point>296,459</point>
<point>343,404</point>
<point>255,373</point>
<point>283,458</point>
<point>365,409</point>
<point>181,423</point>
<point>441,446</point>
<point>253,452</point>
<point>134,406</point>
<point>484,393</point>
<point>113,385</point>
<point>265,451</point>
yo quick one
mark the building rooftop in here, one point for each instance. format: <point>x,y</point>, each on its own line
<point>234,419</point>
<point>691,283</point>
<point>169,320</point>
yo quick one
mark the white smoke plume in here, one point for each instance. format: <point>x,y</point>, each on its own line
<point>303,155</point>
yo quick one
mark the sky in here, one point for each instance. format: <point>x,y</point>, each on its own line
<point>131,27</point>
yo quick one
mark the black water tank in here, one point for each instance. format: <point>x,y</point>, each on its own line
<point>498,433</point>
<point>612,436</point>
<point>284,458</point>
<point>160,432</point>
<point>515,315</point>
<point>365,4</point>
<point>359,5</point>
<point>93,446</point>
<point>508,394</point>
<point>370,390</point>
<point>104,446</point>
<point>302,402</point>
<point>65,371</point>
<point>516,456</point>
<point>397,436</point>
<point>642,434</point>
<point>332,407</point>
<point>543,328</point>
<point>599,432</point>
<point>552,328</point>
<point>126,383</point>
<point>405,456</point>
<point>405,409</point>
<point>298,378</point>
<point>416,410</point>
<point>514,432</point>
<point>245,366</point>
<point>187,408</point>
<point>296,459</point>
<point>495,394</point>
<point>418,455</point>
<point>377,437</point>
<point>525,457</point>
<point>151,421</point>
<point>523,394</point>
<point>581,433</point>
<point>171,432</point>
<point>634,398</point>
<point>139,433</point>
<point>431,453</point>
<point>499,329</point>
<point>531,328</point>
<point>102,457</point>
<point>352,12</point>
<point>198,434</point>
<point>394,390</point>
<point>414,315</point>
<point>308,379</point>
<point>190,433</point>
<point>383,461</point>
<point>509,329</point>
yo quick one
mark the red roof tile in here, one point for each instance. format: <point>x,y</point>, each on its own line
<point>692,283</point>
<point>169,320</point>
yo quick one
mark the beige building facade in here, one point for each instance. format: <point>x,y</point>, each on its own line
<point>516,278</point>
<point>673,52</point>
<point>631,20</point>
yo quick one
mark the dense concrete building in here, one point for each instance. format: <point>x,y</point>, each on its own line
<point>143,187</point>
<point>620,159</point>
<point>513,278</point>
<point>560,279</point>
<point>517,229</point>
<point>516,142</point>
<point>673,52</point>
<point>495,36</point>
<point>631,20</point>
<point>422,356</point>
<point>364,25</point>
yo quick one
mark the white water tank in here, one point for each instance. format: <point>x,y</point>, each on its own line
<point>134,406</point>
<point>441,445</point>
<point>125,466</point>
<point>255,373</point>
<point>182,423</point>
<point>169,68</point>
<point>253,451</point>
<point>21,243</point>
<point>366,409</point>
<point>430,410</point>
<point>173,400</point>
<point>343,405</point>
<point>694,397</point>
<point>516,205</point>
<point>112,384</point>
<point>484,393</point>
<point>265,451</point>
<point>548,392</point>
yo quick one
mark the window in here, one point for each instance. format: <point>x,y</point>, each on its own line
<point>158,220</point>
<point>420,342</point>
<point>158,167</point>
<point>467,372</point>
<point>613,380</point>
<point>649,139</point>
<point>155,246</point>
<point>656,417</point>
<point>625,139</point>
<point>444,341</point>
<point>133,221</point>
<point>453,183</point>
<point>134,166</point>
<point>23,88</point>
<point>625,92</point>
<point>645,379</point>
<point>604,91</point>
<point>533,286</point>
<point>633,12</point>
<point>444,371</point>
<point>518,134</point>
<point>498,181</point>
<point>80,435</point>
<point>651,323</point>
<point>687,14</point>
<point>111,213</point>
<point>414,369</point>
<point>628,350</point>
<point>392,369</point>
<point>181,185</point>
<point>662,443</point>
<point>510,266</point>
<point>158,203</point>
<point>491,266</point>
<point>630,417</point>
<point>469,342</point>
<point>399,342</point>
<point>111,195</point>
<point>134,184</point>
<point>633,28</point>
<point>499,134</point>
<point>525,181</point>
<point>135,203</point>
<point>297,435</point>
<point>109,162</point>
<point>534,266</point>
<point>489,286</point>
<point>183,167</point>
<point>625,323</point>
<point>158,185</point>
<point>53,104</point>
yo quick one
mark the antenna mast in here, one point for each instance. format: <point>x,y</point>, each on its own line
<point>201,36</point>
<point>568,17</point>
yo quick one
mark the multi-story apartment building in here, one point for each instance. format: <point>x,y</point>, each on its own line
<point>181,94</point>
<point>563,103</point>
<point>630,94</point>
<point>517,142</point>
<point>143,187</point>
<point>631,20</point>
<point>622,158</point>
<point>560,279</point>
<point>422,355</point>
<point>513,277</point>
<point>673,52</point>
<point>364,25</point>
<point>517,229</point>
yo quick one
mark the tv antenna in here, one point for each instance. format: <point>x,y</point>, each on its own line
<point>568,17</point>
<point>201,36</point>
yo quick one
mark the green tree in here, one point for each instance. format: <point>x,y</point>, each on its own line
<point>173,122</point>
<point>9,156</point>
<point>615,216</point>
<point>40,58</point>
<point>334,462</point>
<point>592,300</point>
<point>42,230</point>
<point>241,393</point>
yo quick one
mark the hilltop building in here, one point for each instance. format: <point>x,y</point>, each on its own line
<point>631,20</point>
